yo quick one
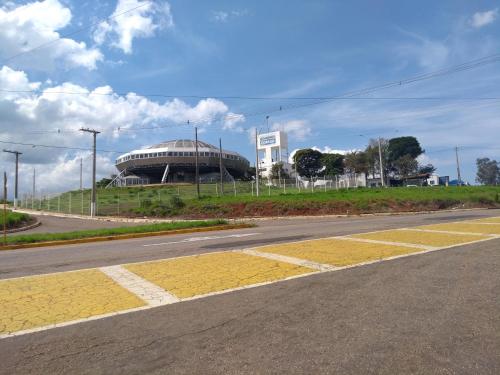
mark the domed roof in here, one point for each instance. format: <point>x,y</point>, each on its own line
<point>182,143</point>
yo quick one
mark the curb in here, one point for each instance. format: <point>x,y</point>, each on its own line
<point>124,236</point>
<point>28,227</point>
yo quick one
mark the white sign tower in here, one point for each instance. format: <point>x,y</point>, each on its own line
<point>275,148</point>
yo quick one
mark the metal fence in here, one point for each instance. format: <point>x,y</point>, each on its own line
<point>126,200</point>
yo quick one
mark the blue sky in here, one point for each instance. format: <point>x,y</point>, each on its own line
<point>276,48</point>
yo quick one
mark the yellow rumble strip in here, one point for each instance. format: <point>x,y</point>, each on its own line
<point>337,252</point>
<point>208,273</point>
<point>37,301</point>
<point>420,238</point>
<point>465,227</point>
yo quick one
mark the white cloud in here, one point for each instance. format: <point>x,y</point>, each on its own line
<point>49,118</point>
<point>429,54</point>
<point>221,16</point>
<point>142,22</point>
<point>481,19</point>
<point>299,130</point>
<point>28,26</point>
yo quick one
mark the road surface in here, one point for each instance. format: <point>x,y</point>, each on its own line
<point>434,312</point>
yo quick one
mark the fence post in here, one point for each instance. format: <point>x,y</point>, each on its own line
<point>234,186</point>
<point>59,203</point>
<point>48,203</point>
<point>269,188</point>
<point>82,202</point>
<point>284,186</point>
<point>119,203</point>
<point>216,189</point>
<point>70,203</point>
<point>252,188</point>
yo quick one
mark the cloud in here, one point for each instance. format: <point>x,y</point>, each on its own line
<point>142,22</point>
<point>481,19</point>
<point>299,130</point>
<point>28,26</point>
<point>50,117</point>
<point>220,16</point>
<point>429,54</point>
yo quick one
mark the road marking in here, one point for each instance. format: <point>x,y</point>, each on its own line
<point>274,275</point>
<point>150,293</point>
<point>356,239</point>
<point>206,238</point>
<point>292,260</point>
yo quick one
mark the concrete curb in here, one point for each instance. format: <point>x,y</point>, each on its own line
<point>28,227</point>
<point>125,236</point>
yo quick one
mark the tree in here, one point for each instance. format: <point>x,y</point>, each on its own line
<point>356,162</point>
<point>333,164</point>
<point>103,183</point>
<point>278,172</point>
<point>426,169</point>
<point>401,146</point>
<point>308,162</point>
<point>406,166</point>
<point>488,171</point>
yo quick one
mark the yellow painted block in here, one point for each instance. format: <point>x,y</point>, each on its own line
<point>208,273</point>
<point>465,227</point>
<point>420,238</point>
<point>31,302</point>
<point>337,252</point>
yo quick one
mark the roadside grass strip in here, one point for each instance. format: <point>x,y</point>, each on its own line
<point>409,236</point>
<point>337,251</point>
<point>465,227</point>
<point>209,273</point>
<point>40,301</point>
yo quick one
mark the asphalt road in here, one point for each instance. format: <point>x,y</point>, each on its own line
<point>65,258</point>
<point>433,313</point>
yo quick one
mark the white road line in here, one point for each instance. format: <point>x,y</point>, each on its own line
<point>150,293</point>
<point>405,244</point>
<point>206,238</point>
<point>291,260</point>
<point>447,232</point>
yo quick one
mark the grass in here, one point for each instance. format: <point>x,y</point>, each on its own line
<point>160,227</point>
<point>14,219</point>
<point>181,201</point>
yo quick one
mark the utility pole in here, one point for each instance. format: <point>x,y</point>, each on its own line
<point>81,174</point>
<point>458,167</point>
<point>17,153</point>
<point>381,165</point>
<point>267,123</point>
<point>4,208</point>
<point>220,169</point>
<point>197,173</point>
<point>256,163</point>
<point>93,200</point>
<point>34,189</point>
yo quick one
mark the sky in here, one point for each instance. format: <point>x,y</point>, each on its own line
<point>139,71</point>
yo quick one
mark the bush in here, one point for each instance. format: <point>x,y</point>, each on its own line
<point>177,202</point>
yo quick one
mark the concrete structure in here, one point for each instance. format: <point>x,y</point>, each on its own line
<point>174,161</point>
<point>274,146</point>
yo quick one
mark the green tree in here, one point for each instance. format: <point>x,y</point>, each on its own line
<point>308,162</point>
<point>488,171</point>
<point>428,168</point>
<point>356,162</point>
<point>277,171</point>
<point>401,146</point>
<point>406,166</point>
<point>103,183</point>
<point>333,164</point>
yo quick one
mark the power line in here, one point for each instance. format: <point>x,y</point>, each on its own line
<point>73,33</point>
<point>61,147</point>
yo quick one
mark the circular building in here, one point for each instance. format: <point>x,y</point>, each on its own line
<point>175,161</point>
